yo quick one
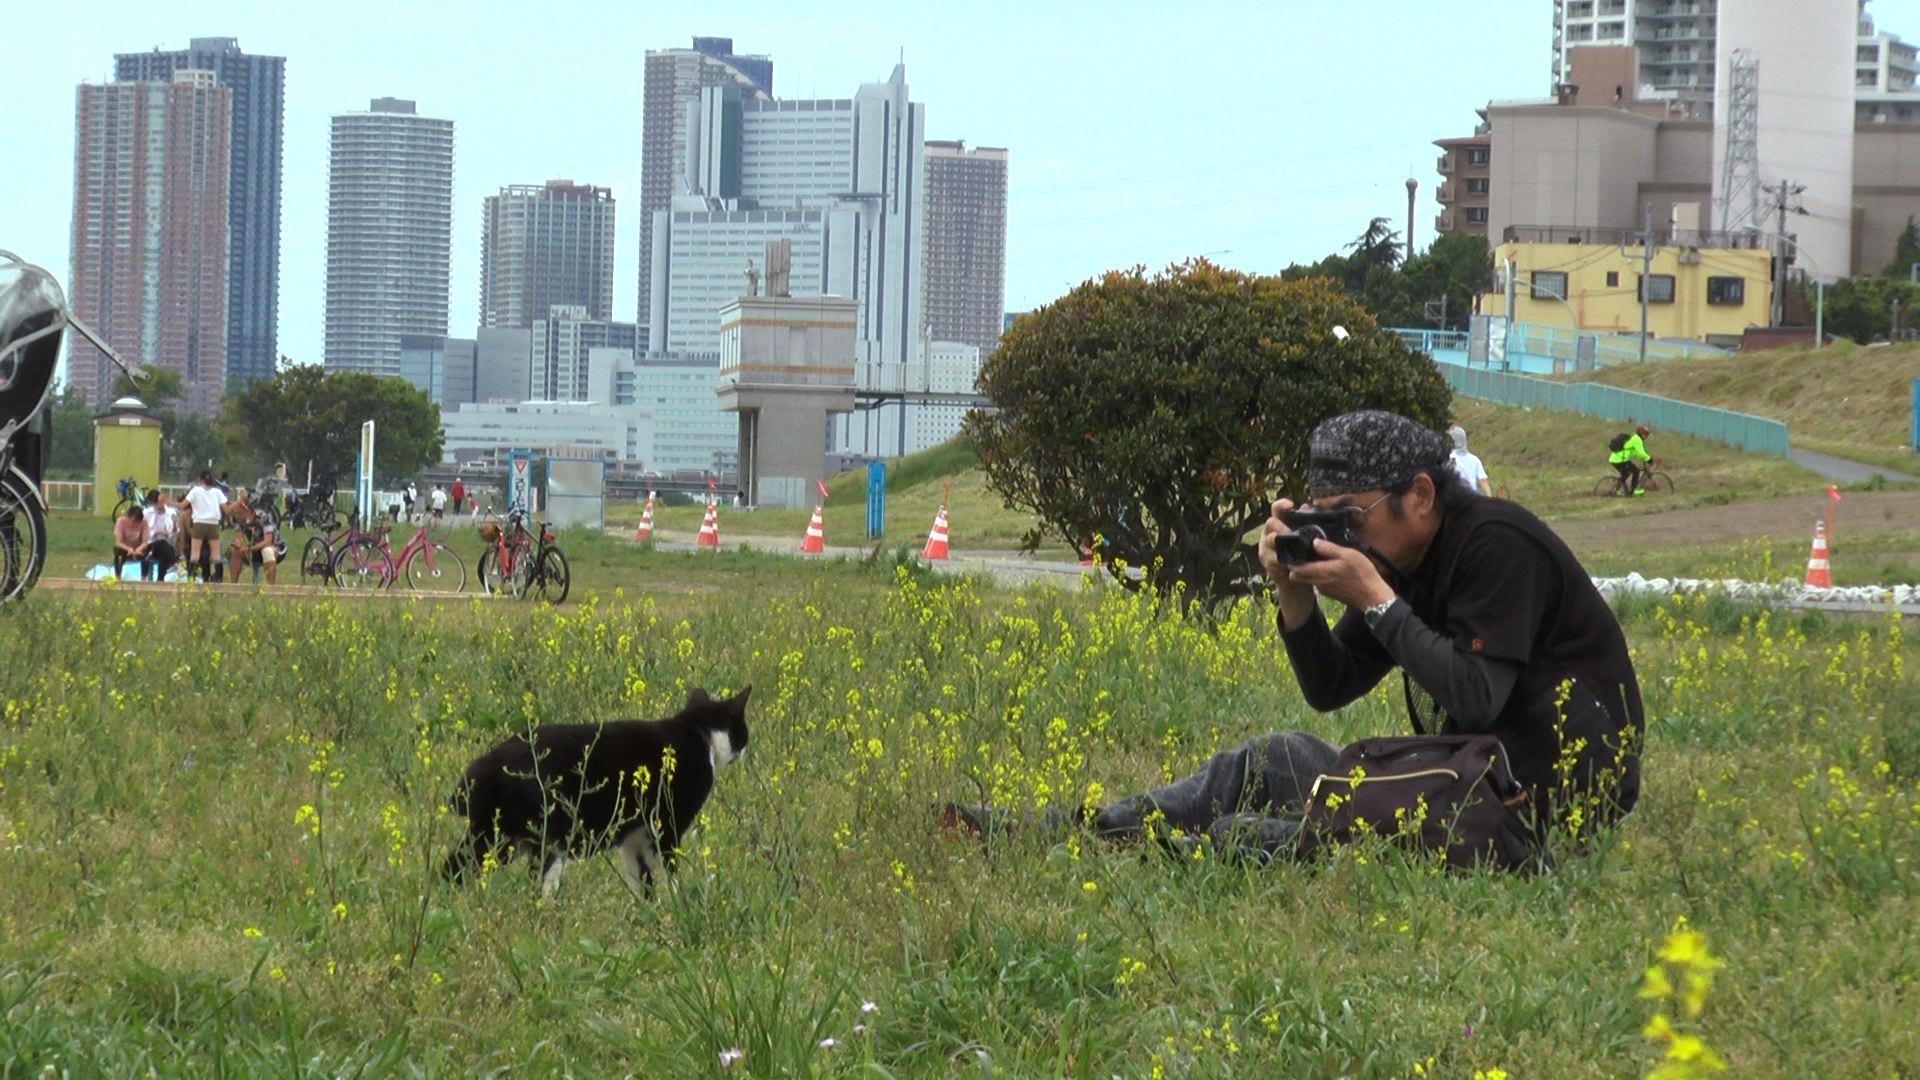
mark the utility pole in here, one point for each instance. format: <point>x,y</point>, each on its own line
<point>1646,271</point>
<point>1782,192</point>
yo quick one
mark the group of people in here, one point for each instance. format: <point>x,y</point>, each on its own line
<point>437,499</point>
<point>154,535</point>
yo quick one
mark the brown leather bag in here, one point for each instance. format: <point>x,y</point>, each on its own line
<point>1449,794</point>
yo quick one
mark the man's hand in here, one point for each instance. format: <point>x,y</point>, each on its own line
<point>1345,574</point>
<point>1296,598</point>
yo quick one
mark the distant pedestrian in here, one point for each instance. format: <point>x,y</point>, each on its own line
<point>1467,464</point>
<point>459,494</point>
<point>437,503</point>
<point>411,495</point>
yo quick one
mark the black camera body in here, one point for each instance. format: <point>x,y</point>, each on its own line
<point>1333,526</point>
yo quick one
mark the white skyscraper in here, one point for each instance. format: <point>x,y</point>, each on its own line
<point>389,234</point>
<point>842,179</point>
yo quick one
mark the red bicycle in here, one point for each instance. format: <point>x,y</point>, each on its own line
<point>354,558</point>
<point>426,564</point>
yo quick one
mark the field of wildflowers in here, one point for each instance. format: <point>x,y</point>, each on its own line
<point>221,818</point>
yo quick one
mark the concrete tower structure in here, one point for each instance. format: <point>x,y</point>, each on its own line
<point>1804,52</point>
<point>389,234</point>
<point>542,246</point>
<point>966,271</point>
<point>258,86</point>
<point>150,245</point>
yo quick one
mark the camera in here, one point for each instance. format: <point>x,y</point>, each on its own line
<point>1333,526</point>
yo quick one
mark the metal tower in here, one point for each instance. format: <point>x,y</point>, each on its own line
<point>1740,170</point>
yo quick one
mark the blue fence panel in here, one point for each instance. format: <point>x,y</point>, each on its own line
<point>1753,433</point>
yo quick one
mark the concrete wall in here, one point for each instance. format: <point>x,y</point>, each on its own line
<point>1557,165</point>
<point>1886,191</point>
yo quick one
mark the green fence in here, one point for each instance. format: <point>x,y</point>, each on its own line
<point>1755,433</point>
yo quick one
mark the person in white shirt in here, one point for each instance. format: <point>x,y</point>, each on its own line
<point>1467,464</point>
<point>205,500</point>
<point>437,502</point>
<point>163,539</point>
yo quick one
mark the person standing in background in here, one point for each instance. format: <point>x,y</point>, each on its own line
<point>1468,464</point>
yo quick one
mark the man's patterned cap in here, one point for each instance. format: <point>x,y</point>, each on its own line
<point>1368,451</point>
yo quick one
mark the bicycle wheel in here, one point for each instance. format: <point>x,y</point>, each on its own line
<point>362,565</point>
<point>1607,485</point>
<point>436,569</point>
<point>23,535</point>
<point>316,562</point>
<point>1659,481</point>
<point>324,517</point>
<point>496,582</point>
<point>554,578</point>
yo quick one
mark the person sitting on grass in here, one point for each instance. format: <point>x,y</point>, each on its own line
<point>163,538</point>
<point>129,538</point>
<point>1493,624</point>
<point>253,543</point>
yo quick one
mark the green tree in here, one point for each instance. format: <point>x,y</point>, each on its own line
<point>1906,252</point>
<point>187,440</point>
<point>1164,413</point>
<point>72,435</point>
<point>1862,308</point>
<point>305,414</point>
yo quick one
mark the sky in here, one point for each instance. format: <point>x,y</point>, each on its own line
<point>1257,133</point>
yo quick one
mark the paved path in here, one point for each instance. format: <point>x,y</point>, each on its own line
<point>1842,471</point>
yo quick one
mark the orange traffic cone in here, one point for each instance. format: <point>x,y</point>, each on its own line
<point>1819,574</point>
<point>937,538</point>
<point>816,541</point>
<point>710,529</point>
<point>645,532</point>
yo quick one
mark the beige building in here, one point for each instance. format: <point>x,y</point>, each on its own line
<point>1585,168</point>
<point>786,366</point>
<point>1465,182</point>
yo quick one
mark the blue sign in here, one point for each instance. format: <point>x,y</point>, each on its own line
<point>876,499</point>
<point>520,480</point>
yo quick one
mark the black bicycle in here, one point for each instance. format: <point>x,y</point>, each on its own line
<point>33,321</point>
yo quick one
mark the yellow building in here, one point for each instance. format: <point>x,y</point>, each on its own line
<point>1708,294</point>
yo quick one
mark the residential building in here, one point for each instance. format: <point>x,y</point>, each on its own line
<point>688,430</point>
<point>1465,184</point>
<point>389,234</point>
<point>150,245</point>
<point>1698,286</point>
<point>1682,56</point>
<point>673,81</point>
<point>562,342</point>
<point>953,367</point>
<point>258,87</point>
<point>546,245</point>
<point>966,262</point>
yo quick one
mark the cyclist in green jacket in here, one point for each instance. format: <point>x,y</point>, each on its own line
<point>1627,458</point>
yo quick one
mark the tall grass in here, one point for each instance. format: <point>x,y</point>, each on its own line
<point>221,819</point>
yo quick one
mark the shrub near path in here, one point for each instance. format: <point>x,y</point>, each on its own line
<point>220,823</point>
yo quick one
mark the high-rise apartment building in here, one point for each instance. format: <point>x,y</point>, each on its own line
<point>563,341</point>
<point>843,179</point>
<point>966,270</point>
<point>673,81</point>
<point>546,245</point>
<point>150,252</point>
<point>1678,41</point>
<point>389,233</point>
<point>257,84</point>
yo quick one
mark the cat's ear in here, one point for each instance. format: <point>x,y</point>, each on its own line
<point>697,696</point>
<point>738,702</point>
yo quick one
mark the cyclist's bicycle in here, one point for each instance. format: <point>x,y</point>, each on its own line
<point>131,494</point>
<point>518,563</point>
<point>33,321</point>
<point>1652,478</point>
<point>552,577</point>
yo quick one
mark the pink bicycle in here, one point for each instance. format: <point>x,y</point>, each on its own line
<point>426,564</point>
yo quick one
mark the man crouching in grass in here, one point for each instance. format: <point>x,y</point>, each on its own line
<point>1493,624</point>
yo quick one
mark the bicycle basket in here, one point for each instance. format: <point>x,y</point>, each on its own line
<point>490,532</point>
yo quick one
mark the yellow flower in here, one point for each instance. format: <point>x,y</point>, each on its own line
<point>1688,949</point>
<point>1656,986</point>
<point>1091,887</point>
<point>250,932</point>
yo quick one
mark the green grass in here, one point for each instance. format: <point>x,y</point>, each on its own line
<point>220,816</point>
<point>1849,400</point>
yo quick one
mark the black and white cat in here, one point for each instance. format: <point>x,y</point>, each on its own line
<point>576,789</point>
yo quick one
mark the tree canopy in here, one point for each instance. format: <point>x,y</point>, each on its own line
<point>1454,270</point>
<point>1164,413</point>
<point>306,414</point>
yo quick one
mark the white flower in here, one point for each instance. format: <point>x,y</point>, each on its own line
<point>731,1055</point>
<point>867,1007</point>
<point>859,1029</point>
<point>829,1043</point>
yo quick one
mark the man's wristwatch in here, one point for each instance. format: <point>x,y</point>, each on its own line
<point>1374,614</point>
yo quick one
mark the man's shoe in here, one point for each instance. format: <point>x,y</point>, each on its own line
<point>1639,491</point>
<point>1125,819</point>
